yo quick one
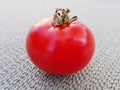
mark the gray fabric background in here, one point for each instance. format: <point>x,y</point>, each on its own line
<point>18,73</point>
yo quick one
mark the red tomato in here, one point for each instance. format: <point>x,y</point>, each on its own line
<point>60,49</point>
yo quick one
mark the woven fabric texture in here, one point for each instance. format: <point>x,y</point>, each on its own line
<point>17,71</point>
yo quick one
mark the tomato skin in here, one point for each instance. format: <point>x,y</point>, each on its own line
<point>60,50</point>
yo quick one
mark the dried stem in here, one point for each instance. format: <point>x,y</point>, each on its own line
<point>61,17</point>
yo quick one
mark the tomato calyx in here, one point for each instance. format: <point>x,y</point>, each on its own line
<point>61,17</point>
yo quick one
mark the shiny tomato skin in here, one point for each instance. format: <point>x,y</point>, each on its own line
<point>60,50</point>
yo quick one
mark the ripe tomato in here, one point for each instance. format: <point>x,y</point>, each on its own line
<point>60,49</point>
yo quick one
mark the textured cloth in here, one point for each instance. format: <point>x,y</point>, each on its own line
<point>17,71</point>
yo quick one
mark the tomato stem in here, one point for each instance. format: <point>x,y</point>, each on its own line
<point>61,17</point>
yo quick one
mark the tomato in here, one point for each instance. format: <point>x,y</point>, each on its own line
<point>60,49</point>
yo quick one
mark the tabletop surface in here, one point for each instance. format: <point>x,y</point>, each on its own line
<point>17,71</point>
